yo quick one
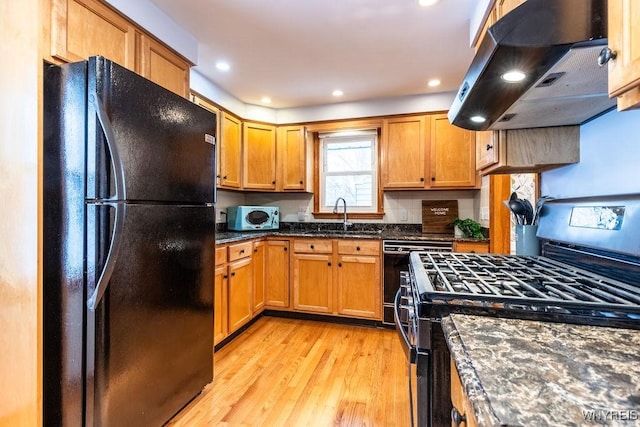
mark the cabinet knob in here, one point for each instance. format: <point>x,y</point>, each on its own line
<point>255,250</point>
<point>457,418</point>
<point>489,147</point>
<point>285,249</point>
<point>225,276</point>
<point>357,248</point>
<point>311,246</point>
<point>422,179</point>
<point>273,182</point>
<point>224,177</point>
<point>233,273</point>
<point>301,182</point>
<point>606,55</point>
<point>339,264</point>
<point>218,176</point>
<point>241,251</point>
<point>329,264</point>
<point>433,178</point>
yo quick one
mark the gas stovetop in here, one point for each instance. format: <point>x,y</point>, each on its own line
<point>520,283</point>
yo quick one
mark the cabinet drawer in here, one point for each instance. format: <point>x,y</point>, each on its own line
<point>358,247</point>
<point>221,255</point>
<point>472,247</point>
<point>240,250</point>
<point>313,246</point>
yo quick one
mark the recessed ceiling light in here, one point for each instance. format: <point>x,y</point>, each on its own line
<point>513,76</point>
<point>266,100</point>
<point>337,92</point>
<point>223,66</point>
<point>433,83</point>
<point>478,119</point>
<point>427,2</point>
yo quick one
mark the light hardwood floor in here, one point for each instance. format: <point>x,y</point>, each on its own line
<point>289,372</point>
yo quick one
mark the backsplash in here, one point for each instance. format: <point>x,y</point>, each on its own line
<point>400,207</point>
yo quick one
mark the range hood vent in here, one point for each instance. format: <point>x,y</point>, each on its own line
<point>556,45</point>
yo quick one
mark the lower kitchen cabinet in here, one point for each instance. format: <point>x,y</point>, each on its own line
<point>337,277</point>
<point>240,285</point>
<point>259,270</point>
<point>462,413</point>
<point>359,278</point>
<point>313,282</point>
<point>277,274</point>
<point>220,325</point>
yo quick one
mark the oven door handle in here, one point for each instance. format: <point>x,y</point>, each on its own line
<point>410,350</point>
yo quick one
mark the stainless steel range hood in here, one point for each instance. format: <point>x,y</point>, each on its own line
<point>556,44</point>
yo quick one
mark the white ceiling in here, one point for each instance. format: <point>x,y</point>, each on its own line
<point>298,51</point>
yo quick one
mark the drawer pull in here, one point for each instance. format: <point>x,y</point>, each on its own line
<point>311,246</point>
<point>457,418</point>
<point>357,248</point>
<point>241,251</point>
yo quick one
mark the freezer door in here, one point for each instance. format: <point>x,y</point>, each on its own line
<point>161,144</point>
<point>150,337</point>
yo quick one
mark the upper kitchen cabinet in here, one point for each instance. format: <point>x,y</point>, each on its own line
<point>84,28</point>
<point>527,150</point>
<point>624,42</point>
<point>503,7</point>
<point>163,66</point>
<point>404,147</point>
<point>453,155</point>
<point>292,158</point>
<point>230,142</point>
<point>259,157</point>
<point>426,152</point>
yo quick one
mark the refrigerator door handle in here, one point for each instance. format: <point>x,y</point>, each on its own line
<point>114,248</point>
<point>120,208</point>
<point>120,192</point>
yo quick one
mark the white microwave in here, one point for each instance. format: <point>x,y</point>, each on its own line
<point>243,218</point>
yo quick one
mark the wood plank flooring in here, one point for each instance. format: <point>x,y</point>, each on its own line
<point>289,372</point>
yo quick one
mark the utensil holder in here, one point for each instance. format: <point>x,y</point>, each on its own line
<point>526,241</point>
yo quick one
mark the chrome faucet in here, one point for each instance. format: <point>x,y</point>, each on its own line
<point>345,224</point>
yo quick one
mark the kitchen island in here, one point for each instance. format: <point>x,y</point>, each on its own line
<point>530,373</point>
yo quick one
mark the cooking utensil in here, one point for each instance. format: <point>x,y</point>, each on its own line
<point>539,203</point>
<point>528,216</point>
<point>519,210</point>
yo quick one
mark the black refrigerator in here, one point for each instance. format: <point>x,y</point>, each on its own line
<point>128,242</point>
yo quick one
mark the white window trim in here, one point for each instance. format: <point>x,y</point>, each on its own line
<point>346,136</point>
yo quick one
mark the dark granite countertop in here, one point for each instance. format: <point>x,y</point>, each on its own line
<point>529,373</point>
<point>332,230</point>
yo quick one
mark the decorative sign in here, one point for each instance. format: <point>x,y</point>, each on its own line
<point>437,216</point>
<point>600,217</point>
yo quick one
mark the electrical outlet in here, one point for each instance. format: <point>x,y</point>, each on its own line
<point>484,213</point>
<point>404,215</point>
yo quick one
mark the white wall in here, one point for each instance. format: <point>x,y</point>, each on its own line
<point>609,160</point>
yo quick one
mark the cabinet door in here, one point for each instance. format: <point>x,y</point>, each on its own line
<point>259,157</point>
<point>84,28</point>
<point>258,297</point>
<point>163,66</point>
<point>359,286</point>
<point>404,146</point>
<point>292,158</point>
<point>486,149</point>
<point>624,39</point>
<point>277,274</point>
<point>240,287</point>
<point>220,326</point>
<point>230,151</point>
<point>453,155</point>
<point>313,283</point>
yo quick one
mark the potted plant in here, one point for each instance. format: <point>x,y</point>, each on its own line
<point>469,228</point>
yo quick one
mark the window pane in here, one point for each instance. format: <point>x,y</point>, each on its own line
<point>353,156</point>
<point>356,190</point>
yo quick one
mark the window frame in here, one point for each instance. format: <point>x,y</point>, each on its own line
<point>315,131</point>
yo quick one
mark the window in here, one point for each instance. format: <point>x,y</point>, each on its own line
<point>348,169</point>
